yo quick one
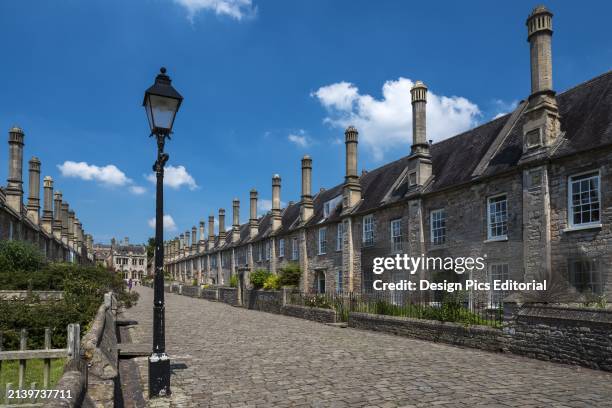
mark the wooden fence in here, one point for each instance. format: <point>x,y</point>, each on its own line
<point>31,396</point>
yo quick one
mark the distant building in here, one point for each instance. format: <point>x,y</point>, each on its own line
<point>128,259</point>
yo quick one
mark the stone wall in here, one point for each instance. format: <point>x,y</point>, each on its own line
<point>265,301</point>
<point>481,337</point>
<point>310,313</point>
<point>228,295</point>
<point>193,291</point>
<point>566,335</point>
<point>44,295</point>
<point>210,294</point>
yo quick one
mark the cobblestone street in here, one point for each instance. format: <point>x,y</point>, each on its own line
<point>226,356</point>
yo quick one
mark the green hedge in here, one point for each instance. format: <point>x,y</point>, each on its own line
<point>22,267</point>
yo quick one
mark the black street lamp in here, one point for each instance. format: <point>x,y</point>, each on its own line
<point>161,101</point>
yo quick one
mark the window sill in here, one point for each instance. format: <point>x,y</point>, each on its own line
<point>496,239</point>
<point>583,227</point>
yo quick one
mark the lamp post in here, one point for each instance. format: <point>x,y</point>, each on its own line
<point>161,102</point>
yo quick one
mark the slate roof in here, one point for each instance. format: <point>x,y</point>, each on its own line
<point>586,120</point>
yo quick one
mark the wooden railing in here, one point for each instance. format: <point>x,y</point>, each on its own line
<point>71,352</point>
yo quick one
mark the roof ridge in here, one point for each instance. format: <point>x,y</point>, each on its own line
<point>588,81</point>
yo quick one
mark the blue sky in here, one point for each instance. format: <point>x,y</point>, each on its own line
<point>264,82</point>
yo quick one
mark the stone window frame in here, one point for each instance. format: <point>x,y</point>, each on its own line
<point>339,236</point>
<point>396,239</point>
<point>267,250</point>
<point>583,176</point>
<point>496,297</point>
<point>437,226</point>
<point>281,248</point>
<point>322,241</point>
<point>295,249</point>
<point>367,230</point>
<point>501,224</point>
<point>412,178</point>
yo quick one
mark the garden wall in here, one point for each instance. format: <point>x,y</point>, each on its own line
<point>481,337</point>
<point>263,300</point>
<point>577,336</point>
<point>228,295</point>
<point>310,313</point>
<point>210,294</point>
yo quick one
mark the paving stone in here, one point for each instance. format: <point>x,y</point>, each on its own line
<point>238,357</point>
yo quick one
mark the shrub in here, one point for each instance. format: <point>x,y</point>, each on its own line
<point>272,283</point>
<point>258,278</point>
<point>290,275</point>
<point>233,281</point>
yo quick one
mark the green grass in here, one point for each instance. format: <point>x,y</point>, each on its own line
<point>34,373</point>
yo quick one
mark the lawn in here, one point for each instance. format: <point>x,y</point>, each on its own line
<point>9,373</point>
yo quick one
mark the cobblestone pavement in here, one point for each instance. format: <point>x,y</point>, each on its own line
<point>225,356</point>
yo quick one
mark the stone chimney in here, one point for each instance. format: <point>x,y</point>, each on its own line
<point>236,220</point>
<point>202,236</point>
<point>276,203</point>
<point>78,235</point>
<point>47,214</point>
<point>221,226</point>
<point>14,188</point>
<point>352,188</point>
<point>71,229</point>
<point>187,246</point>
<point>419,119</point>
<point>181,244</point>
<point>65,209</point>
<point>57,217</point>
<point>194,239</point>
<point>420,166</point>
<point>253,222</point>
<point>542,126</point>
<point>306,206</point>
<point>34,190</point>
<point>211,232</point>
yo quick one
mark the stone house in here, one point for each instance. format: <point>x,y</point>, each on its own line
<point>58,233</point>
<point>528,191</point>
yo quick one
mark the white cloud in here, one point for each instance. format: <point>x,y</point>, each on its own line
<point>386,124</point>
<point>300,138</point>
<point>169,224</point>
<point>236,9</point>
<point>263,205</point>
<point>503,107</point>
<point>108,174</point>
<point>137,190</point>
<point>175,177</point>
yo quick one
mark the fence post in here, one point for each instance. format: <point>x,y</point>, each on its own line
<point>47,361</point>
<point>1,340</point>
<point>74,341</point>
<point>9,387</point>
<point>23,345</point>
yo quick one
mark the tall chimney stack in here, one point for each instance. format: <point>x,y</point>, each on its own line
<point>187,247</point>
<point>420,160</point>
<point>71,236</point>
<point>539,35</point>
<point>65,208</point>
<point>253,223</point>
<point>57,218</point>
<point>47,215</point>
<point>211,231</point>
<point>181,244</point>
<point>542,126</point>
<point>352,188</point>
<point>194,240</point>
<point>34,190</point>
<point>306,206</point>
<point>221,226</point>
<point>14,188</point>
<point>202,236</point>
<point>419,119</point>
<point>236,220</point>
<point>276,203</point>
